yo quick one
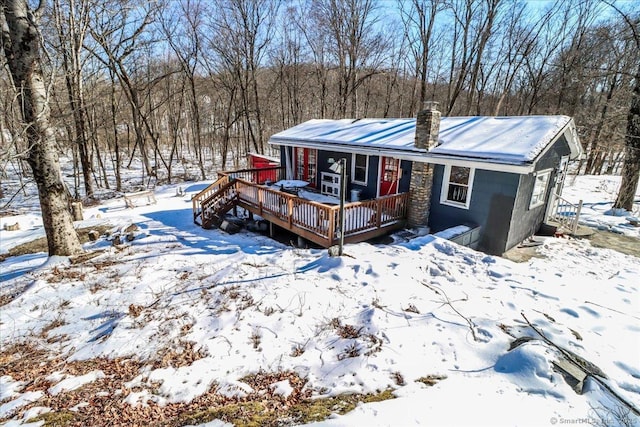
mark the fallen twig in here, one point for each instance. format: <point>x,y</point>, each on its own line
<point>448,302</point>
<point>595,375</point>
<point>612,309</point>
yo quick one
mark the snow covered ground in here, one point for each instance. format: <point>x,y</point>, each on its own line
<point>201,310</point>
<point>598,192</point>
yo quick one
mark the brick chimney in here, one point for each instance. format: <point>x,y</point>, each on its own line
<point>427,130</point>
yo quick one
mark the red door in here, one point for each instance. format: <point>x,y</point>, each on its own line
<point>305,165</point>
<point>389,176</point>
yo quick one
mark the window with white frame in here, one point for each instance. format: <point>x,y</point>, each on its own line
<point>312,162</point>
<point>456,186</point>
<point>539,188</point>
<point>360,169</point>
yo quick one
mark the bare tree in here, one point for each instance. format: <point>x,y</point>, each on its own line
<point>461,50</point>
<point>182,29</point>
<point>242,32</point>
<point>612,61</point>
<point>291,70</point>
<point>119,30</point>
<point>419,17</point>
<point>484,33</point>
<point>317,40</point>
<point>571,72</point>
<point>536,68</point>
<point>71,23</point>
<point>473,24</point>
<point>519,40</point>
<point>21,43</point>
<point>631,166</point>
<point>357,45</point>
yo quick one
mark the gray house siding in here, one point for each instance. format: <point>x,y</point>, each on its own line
<point>525,222</point>
<point>491,207</point>
<point>499,202</point>
<point>283,155</point>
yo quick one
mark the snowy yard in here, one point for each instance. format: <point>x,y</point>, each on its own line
<point>182,319</point>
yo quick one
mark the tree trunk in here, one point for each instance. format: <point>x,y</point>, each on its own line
<point>71,40</point>
<point>21,43</point>
<point>114,123</point>
<point>631,165</point>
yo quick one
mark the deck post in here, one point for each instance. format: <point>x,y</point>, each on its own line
<point>343,190</point>
<point>290,211</point>
<point>332,225</point>
<point>577,217</point>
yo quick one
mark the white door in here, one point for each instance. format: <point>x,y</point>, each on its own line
<point>557,190</point>
<point>562,174</point>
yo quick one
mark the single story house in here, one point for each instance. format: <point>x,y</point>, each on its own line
<point>497,175</point>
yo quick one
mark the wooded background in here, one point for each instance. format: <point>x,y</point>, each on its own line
<point>204,82</point>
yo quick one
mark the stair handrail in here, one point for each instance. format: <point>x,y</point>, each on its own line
<point>205,194</point>
<point>221,193</point>
<point>570,216</point>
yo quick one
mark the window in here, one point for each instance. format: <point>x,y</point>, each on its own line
<point>539,188</point>
<point>456,186</point>
<point>299,163</point>
<point>390,169</point>
<point>311,168</point>
<point>359,170</point>
<point>305,165</point>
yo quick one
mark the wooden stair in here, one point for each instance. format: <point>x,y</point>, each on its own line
<point>212,203</point>
<point>559,228</point>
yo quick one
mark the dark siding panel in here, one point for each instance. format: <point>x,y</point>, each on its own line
<point>371,191</point>
<point>491,207</point>
<point>368,192</point>
<point>405,180</point>
<point>527,221</point>
<point>324,165</point>
<point>325,156</point>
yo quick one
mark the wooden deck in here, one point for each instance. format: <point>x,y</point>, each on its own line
<point>316,222</point>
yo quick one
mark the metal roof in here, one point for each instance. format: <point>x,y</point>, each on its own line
<point>514,140</point>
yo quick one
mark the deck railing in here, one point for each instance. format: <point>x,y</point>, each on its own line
<point>318,220</point>
<point>565,213</point>
<point>314,221</point>
<point>287,208</point>
<point>257,176</point>
<point>205,195</point>
<point>217,204</point>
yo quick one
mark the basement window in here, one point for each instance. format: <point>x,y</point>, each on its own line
<point>456,186</point>
<point>539,188</point>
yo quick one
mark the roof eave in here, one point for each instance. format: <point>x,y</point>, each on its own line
<point>571,135</point>
<point>422,156</point>
<point>485,164</point>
